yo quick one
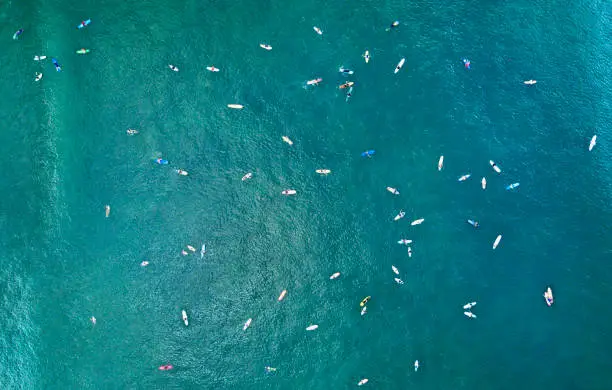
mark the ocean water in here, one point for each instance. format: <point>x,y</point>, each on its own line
<point>66,155</point>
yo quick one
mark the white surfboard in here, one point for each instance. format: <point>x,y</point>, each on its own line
<point>289,192</point>
<point>362,382</point>
<point>440,163</point>
<point>496,242</point>
<point>334,275</point>
<point>317,30</point>
<point>366,56</point>
<point>236,106</point>
<point>484,183</point>
<point>265,46</point>
<point>282,295</point>
<point>212,69</point>
<point>394,268</point>
<point>323,171</point>
<point>494,166</point>
<point>312,327</point>
<point>247,324</point>
<point>287,140</point>
<point>417,222</point>
<point>185,319</point>
<point>469,305</point>
<point>399,65</point>
<point>399,216</point>
<point>592,143</point>
<point>392,190</point>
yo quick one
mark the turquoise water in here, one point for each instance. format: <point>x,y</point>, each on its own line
<point>67,155</point>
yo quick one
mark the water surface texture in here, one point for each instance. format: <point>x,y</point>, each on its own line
<point>66,155</point>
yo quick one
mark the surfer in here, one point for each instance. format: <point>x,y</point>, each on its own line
<point>93,320</point>
<point>548,296</point>
<point>469,305</point>
<point>317,30</point>
<point>349,94</point>
<point>57,65</point>
<point>247,176</point>
<point>107,210</point>
<point>166,367</point>
<point>161,161</point>
<point>467,63</point>
<point>400,215</point>
<point>473,223</point>
<point>512,186</point>
<point>270,369</point>
<point>84,23</point>
<point>346,85</point>
<point>494,166</point>
<point>39,58</point>
<point>314,81</point>
<point>393,25</point>
<point>364,301</point>
<point>409,252</point>
<point>345,71</point>
<point>399,65</point>
<point>368,153</point>
<point>37,76</point>
<point>366,56</point>
<point>182,172</point>
<point>174,68</point>
<point>17,33</point>
<point>144,263</point>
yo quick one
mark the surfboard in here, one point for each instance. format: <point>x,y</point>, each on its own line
<point>399,65</point>
<point>496,242</point>
<point>417,222</point>
<point>185,320</point>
